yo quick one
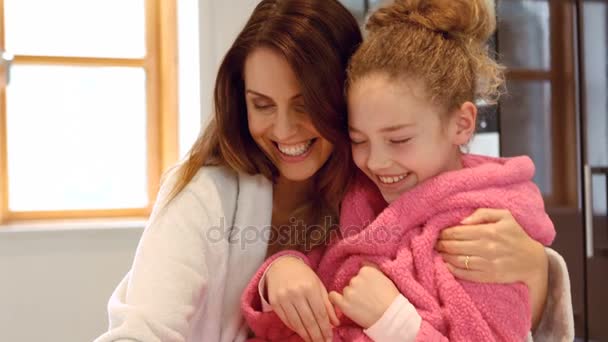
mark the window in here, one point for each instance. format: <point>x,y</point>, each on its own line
<point>88,106</point>
<point>361,8</point>
<point>189,74</point>
<point>535,42</point>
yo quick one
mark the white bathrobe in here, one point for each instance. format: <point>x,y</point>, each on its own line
<point>192,265</point>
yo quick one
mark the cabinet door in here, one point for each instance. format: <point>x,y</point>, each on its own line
<point>594,108</point>
<point>538,117</point>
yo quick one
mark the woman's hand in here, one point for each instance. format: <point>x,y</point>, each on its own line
<point>369,294</point>
<point>298,297</point>
<point>498,251</point>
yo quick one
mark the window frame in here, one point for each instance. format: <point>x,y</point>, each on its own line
<point>161,69</point>
<point>561,75</point>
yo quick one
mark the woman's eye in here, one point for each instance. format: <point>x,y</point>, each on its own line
<point>262,107</point>
<point>400,141</point>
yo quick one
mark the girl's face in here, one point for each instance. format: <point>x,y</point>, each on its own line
<point>399,138</point>
<point>278,118</point>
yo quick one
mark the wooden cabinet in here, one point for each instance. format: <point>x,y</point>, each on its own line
<point>556,111</point>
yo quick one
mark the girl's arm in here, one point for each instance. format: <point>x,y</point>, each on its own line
<point>298,300</point>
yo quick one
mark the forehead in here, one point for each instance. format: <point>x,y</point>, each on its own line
<point>268,72</point>
<point>377,100</point>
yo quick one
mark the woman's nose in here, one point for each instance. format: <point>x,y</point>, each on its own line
<point>286,125</point>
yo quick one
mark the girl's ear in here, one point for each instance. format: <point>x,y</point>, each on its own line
<point>464,120</point>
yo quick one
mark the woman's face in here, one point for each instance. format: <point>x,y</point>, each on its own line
<point>278,118</point>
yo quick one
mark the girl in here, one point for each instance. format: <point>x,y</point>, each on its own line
<point>411,87</point>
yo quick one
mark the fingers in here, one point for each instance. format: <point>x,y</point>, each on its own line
<point>283,316</point>
<point>331,312</point>
<point>475,231</point>
<point>319,310</point>
<point>338,300</point>
<point>456,247</point>
<point>460,261</point>
<point>296,322</point>
<point>472,232</point>
<point>486,215</point>
<point>312,326</point>
<point>469,275</point>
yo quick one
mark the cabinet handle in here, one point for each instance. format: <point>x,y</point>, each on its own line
<point>588,211</point>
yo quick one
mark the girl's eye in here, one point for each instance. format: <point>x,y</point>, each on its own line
<point>401,141</point>
<point>354,142</point>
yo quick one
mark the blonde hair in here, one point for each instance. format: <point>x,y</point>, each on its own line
<point>439,42</point>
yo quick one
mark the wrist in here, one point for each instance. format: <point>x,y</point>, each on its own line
<point>400,322</point>
<point>539,273</point>
<point>281,260</point>
<point>391,301</point>
<point>537,283</point>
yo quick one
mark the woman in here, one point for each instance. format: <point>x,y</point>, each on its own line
<point>272,161</point>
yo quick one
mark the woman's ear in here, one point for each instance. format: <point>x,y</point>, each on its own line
<point>464,121</point>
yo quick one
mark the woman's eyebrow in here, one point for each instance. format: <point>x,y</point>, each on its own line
<point>252,92</point>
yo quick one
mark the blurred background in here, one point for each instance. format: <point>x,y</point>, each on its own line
<point>99,98</point>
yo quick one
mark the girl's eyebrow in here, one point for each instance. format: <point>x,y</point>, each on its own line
<point>395,128</point>
<point>386,129</point>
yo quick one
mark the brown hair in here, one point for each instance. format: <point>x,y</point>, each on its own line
<point>317,38</point>
<point>438,42</point>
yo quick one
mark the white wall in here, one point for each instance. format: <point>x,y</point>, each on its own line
<point>220,22</point>
<point>55,283</point>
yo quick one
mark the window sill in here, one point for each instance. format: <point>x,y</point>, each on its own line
<point>74,225</point>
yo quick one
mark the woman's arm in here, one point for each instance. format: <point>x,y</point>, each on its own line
<point>557,323</point>
<point>499,251</point>
<point>159,295</point>
<point>538,284</point>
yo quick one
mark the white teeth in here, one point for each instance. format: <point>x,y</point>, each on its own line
<point>295,150</point>
<point>391,180</point>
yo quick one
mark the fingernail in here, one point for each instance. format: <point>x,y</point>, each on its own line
<point>466,220</point>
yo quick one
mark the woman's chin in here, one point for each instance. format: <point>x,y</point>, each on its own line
<point>297,174</point>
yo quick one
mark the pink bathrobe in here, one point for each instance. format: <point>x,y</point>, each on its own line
<point>400,239</point>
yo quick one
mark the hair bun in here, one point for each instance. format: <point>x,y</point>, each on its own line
<point>470,19</point>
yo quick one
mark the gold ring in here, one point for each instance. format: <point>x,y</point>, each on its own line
<point>466,262</point>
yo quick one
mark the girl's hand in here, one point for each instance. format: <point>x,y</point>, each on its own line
<point>298,297</point>
<point>498,251</point>
<point>367,297</point>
